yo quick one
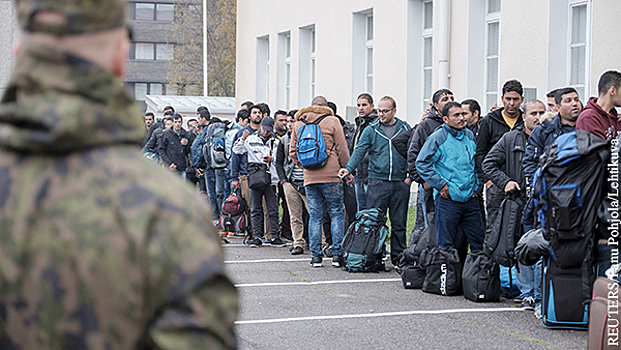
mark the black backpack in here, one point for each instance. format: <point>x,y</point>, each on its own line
<point>481,278</point>
<point>500,241</point>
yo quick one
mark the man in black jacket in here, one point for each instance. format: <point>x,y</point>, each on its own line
<point>493,126</point>
<point>174,147</point>
<point>366,115</point>
<point>503,166</point>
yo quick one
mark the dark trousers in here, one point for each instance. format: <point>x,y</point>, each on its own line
<point>392,198</point>
<point>256,210</point>
<point>285,224</point>
<point>451,214</point>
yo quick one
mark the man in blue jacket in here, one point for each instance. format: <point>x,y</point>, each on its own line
<point>389,186</point>
<point>446,162</point>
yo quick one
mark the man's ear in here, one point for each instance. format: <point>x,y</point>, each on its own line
<point>120,58</point>
<point>445,120</point>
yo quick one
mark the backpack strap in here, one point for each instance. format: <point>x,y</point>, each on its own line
<point>316,122</point>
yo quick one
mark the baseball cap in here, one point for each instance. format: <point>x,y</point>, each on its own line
<point>76,16</point>
<point>267,124</point>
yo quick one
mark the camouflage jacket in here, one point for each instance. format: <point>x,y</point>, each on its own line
<point>99,247</point>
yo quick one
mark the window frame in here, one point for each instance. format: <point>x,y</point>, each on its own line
<point>491,18</point>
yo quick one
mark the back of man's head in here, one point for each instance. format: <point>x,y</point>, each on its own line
<point>242,114</point>
<point>607,80</point>
<point>319,101</point>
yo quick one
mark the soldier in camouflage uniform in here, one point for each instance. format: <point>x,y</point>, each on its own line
<point>94,252</point>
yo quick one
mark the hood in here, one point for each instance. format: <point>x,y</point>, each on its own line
<point>310,114</point>
<point>368,118</point>
<point>79,106</point>
<point>435,115</point>
<point>458,134</point>
<point>595,108</point>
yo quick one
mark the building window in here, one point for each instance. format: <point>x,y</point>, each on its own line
<point>368,45</point>
<point>578,26</point>
<point>283,71</point>
<point>307,65</point>
<point>144,51</point>
<point>492,51</point>
<point>150,12</point>
<point>427,51</point>
<point>141,90</point>
<point>313,63</point>
<point>263,69</point>
<point>164,52</point>
<point>152,51</point>
<point>288,73</point>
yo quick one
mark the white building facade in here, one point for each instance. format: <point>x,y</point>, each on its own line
<point>290,51</point>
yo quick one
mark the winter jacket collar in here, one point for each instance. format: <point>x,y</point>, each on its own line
<point>497,116</point>
<point>41,113</point>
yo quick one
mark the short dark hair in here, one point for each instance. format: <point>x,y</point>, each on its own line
<point>169,113</point>
<point>448,106</point>
<point>200,108</point>
<point>167,118</point>
<point>279,112</point>
<point>149,113</point>
<point>332,106</point>
<point>263,107</point>
<point>292,112</point>
<point>473,105</point>
<point>436,95</point>
<point>563,91</point>
<point>607,80</point>
<point>367,96</point>
<point>248,104</point>
<point>192,120</point>
<point>552,94</point>
<point>170,108</point>
<point>177,116</point>
<point>513,86</point>
<point>242,114</point>
<point>204,113</point>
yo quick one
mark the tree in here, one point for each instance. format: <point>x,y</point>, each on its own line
<point>185,70</point>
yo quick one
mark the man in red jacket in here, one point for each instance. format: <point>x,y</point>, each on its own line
<point>600,117</point>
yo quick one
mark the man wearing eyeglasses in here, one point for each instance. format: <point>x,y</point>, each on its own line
<point>389,185</point>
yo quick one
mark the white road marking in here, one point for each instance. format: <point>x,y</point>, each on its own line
<point>315,283</point>
<point>381,314</point>
<point>267,260</point>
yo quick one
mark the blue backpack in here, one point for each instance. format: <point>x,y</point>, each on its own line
<point>311,146</point>
<point>364,243</point>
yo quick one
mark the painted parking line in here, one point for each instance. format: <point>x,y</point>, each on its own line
<point>382,314</point>
<point>279,284</point>
<point>266,261</point>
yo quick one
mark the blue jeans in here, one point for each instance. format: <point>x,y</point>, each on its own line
<point>529,277</point>
<point>332,195</point>
<point>210,183</point>
<point>451,214</point>
<point>392,197</point>
<point>361,194</point>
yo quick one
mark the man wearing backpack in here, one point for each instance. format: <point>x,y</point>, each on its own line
<point>214,152</point>
<point>322,184</point>
<point>503,165</point>
<point>389,185</point>
<point>260,149</point>
<point>446,162</point>
<point>196,150</point>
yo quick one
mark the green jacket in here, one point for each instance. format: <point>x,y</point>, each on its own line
<point>99,247</point>
<point>385,163</point>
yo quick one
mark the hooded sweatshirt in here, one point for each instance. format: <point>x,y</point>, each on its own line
<point>598,122</point>
<point>336,145</point>
<point>91,232</point>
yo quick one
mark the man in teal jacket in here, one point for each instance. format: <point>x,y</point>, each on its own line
<point>446,162</point>
<point>389,186</point>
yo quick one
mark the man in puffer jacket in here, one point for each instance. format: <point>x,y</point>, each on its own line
<point>446,163</point>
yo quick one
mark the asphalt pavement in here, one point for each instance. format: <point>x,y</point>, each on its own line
<point>287,304</point>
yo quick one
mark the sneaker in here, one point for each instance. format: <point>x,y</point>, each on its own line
<point>297,251</point>
<point>528,303</point>
<point>288,238</point>
<point>268,241</point>
<point>254,242</point>
<point>224,234</point>
<point>338,261</point>
<point>277,242</point>
<point>236,235</point>
<point>316,261</point>
<point>518,300</point>
<point>538,311</point>
<point>328,252</point>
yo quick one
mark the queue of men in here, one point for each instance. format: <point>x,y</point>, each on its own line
<point>463,163</point>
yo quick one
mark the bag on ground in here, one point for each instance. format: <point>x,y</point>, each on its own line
<point>563,306</point>
<point>442,271</point>
<point>412,276</point>
<point>364,244</point>
<point>531,247</point>
<point>311,145</point>
<point>604,320</point>
<point>234,216</point>
<point>481,278</point>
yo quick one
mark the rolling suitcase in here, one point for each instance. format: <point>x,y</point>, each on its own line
<point>563,305</point>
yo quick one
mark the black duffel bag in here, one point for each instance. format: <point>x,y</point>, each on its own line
<point>412,276</point>
<point>531,247</point>
<point>442,271</point>
<point>258,176</point>
<point>481,278</point>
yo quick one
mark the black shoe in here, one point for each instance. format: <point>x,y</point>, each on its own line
<point>328,252</point>
<point>277,242</point>
<point>287,237</point>
<point>338,261</point>
<point>297,251</point>
<point>254,242</point>
<point>316,261</point>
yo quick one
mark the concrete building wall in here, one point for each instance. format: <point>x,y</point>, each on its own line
<point>533,48</point>
<point>8,28</point>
